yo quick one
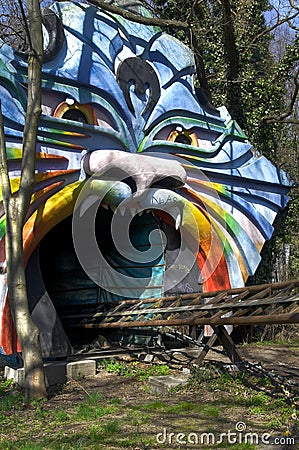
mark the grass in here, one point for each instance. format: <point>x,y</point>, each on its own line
<point>133,369</point>
<point>212,402</point>
<point>277,342</point>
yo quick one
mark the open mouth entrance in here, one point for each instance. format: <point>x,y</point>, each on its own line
<point>76,297</point>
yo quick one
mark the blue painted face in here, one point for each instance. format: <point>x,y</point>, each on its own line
<point>121,93</point>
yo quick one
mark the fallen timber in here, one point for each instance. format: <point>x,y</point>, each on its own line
<point>276,303</point>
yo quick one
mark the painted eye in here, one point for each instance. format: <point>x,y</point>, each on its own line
<point>75,114</point>
<point>71,110</point>
<point>183,139</point>
<point>181,136</point>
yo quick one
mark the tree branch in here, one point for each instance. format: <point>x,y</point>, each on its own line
<point>271,28</point>
<point>283,117</point>
<point>25,24</point>
<point>154,21</point>
<point>33,106</point>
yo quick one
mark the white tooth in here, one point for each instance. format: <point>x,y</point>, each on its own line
<point>148,211</point>
<point>105,206</point>
<point>122,211</point>
<point>140,213</point>
<point>113,208</point>
<point>178,221</point>
<point>133,211</point>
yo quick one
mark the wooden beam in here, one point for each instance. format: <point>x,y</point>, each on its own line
<point>245,320</point>
<point>228,344</point>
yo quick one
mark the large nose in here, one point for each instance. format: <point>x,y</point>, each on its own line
<point>146,170</point>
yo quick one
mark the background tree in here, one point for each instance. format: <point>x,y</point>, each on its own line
<point>16,207</point>
<point>247,58</point>
<point>12,25</point>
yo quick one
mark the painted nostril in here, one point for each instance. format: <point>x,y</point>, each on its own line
<point>131,183</point>
<point>168,183</point>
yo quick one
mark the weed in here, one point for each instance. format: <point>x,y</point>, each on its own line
<point>183,407</point>
<point>111,427</point>
<point>62,416</point>
<point>40,413</point>
<point>210,411</point>
<point>102,421</point>
<point>278,342</point>
<point>90,411</point>
<point>134,369</point>
<point>279,403</point>
<point>274,424</point>
<point>6,445</point>
<point>155,405</point>
<point>5,384</point>
<point>115,401</point>
<point>94,398</point>
<point>3,419</point>
<point>136,441</point>
<point>157,370</point>
<point>204,374</point>
<point>80,376</point>
<point>95,432</point>
<point>112,366</point>
<point>137,417</point>
<point>11,400</point>
<point>260,410</point>
<point>242,446</point>
<point>37,402</point>
<point>258,399</point>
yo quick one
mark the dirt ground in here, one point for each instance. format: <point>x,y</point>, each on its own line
<point>283,360</point>
<point>141,416</point>
<point>280,360</point>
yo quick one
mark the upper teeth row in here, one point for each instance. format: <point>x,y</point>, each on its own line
<point>122,211</point>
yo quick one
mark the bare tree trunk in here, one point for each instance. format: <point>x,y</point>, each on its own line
<point>27,331</point>
<point>234,92</point>
<point>16,208</point>
<point>200,67</point>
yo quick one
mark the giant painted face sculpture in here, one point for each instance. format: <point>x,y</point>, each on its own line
<point>125,134</point>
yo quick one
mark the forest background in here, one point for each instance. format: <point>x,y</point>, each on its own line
<point>247,58</point>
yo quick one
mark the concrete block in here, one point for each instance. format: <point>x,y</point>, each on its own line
<point>55,372</point>
<point>17,375</point>
<point>84,368</point>
<point>149,358</point>
<point>162,384</point>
